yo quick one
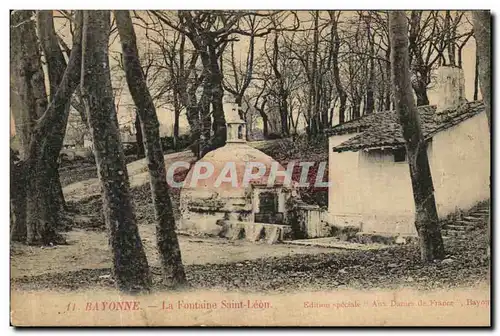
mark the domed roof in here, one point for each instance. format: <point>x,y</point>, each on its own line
<point>230,165</point>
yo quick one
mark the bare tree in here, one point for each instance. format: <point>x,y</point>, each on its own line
<point>167,242</point>
<point>426,221</point>
<point>38,215</point>
<point>130,266</point>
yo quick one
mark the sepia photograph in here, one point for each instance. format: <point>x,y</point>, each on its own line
<point>250,168</point>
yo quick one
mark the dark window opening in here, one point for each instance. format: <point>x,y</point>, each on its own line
<point>268,202</point>
<point>400,154</point>
<point>268,209</point>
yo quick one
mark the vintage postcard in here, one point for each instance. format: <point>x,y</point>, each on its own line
<point>250,168</point>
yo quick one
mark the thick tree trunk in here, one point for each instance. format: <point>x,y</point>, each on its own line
<point>482,32</point>
<point>426,221</point>
<point>56,65</point>
<point>39,167</point>
<point>27,82</point>
<point>130,266</point>
<point>18,200</point>
<point>168,245</point>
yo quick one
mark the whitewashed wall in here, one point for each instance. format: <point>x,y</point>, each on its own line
<point>460,165</point>
<point>370,190</point>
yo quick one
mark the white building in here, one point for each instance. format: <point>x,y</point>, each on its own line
<point>371,185</point>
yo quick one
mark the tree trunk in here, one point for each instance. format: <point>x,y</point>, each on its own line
<point>42,201</point>
<point>342,107</point>
<point>56,65</point>
<point>336,69</point>
<point>284,114</point>
<point>388,98</point>
<point>426,218</point>
<point>476,78</point>
<point>421,92</point>
<point>482,23</point>
<point>356,108</point>
<point>168,245</point>
<point>130,266</point>
<point>265,118</point>
<point>219,121</point>
<point>370,100</point>
<point>139,142</point>
<point>177,113</point>
<point>265,126</point>
<point>205,125</point>
<point>27,82</point>
<point>193,117</point>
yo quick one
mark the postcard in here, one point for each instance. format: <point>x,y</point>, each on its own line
<point>250,168</point>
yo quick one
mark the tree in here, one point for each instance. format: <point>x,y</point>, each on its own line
<point>208,32</point>
<point>241,74</point>
<point>168,245</point>
<point>56,65</point>
<point>426,221</point>
<point>38,213</point>
<point>178,62</point>
<point>482,32</point>
<point>130,266</point>
<point>335,42</point>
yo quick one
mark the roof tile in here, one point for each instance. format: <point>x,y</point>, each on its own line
<point>382,129</point>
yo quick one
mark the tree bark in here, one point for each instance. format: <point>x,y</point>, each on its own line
<point>370,99</point>
<point>426,221</point>
<point>482,32</point>
<point>219,121</point>
<point>27,82</point>
<point>476,78</point>
<point>56,65</point>
<point>39,166</point>
<point>421,92</point>
<point>168,245</point>
<point>177,113</point>
<point>388,98</point>
<point>138,136</point>
<point>336,69</point>
<point>130,266</point>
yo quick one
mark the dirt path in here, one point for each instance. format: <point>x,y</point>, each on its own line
<point>89,250</point>
<point>138,175</point>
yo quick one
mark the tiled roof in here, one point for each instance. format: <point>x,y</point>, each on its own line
<point>382,129</point>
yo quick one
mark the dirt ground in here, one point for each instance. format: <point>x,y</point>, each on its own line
<point>212,262</point>
<point>89,250</point>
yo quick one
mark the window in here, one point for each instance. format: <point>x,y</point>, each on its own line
<point>400,154</point>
